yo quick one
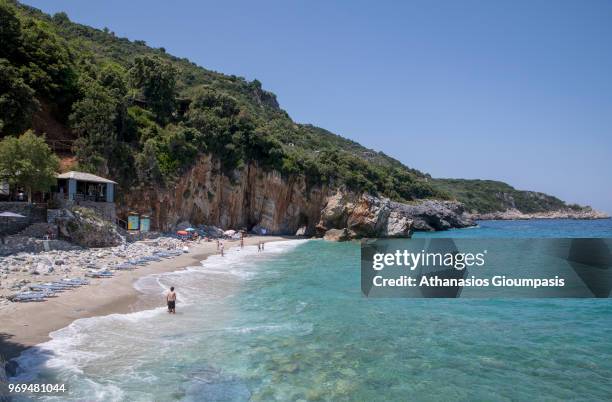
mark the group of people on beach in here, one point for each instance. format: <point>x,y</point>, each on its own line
<point>171,294</point>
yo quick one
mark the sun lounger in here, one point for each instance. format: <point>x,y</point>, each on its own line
<point>124,267</point>
<point>74,281</point>
<point>99,274</point>
<point>162,254</point>
<point>47,287</point>
<point>30,296</point>
<point>150,258</point>
<point>19,298</point>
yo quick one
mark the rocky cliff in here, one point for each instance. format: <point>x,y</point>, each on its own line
<point>264,201</point>
<point>250,198</point>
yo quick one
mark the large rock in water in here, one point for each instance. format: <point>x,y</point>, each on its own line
<point>349,216</point>
<point>368,216</point>
<point>432,215</point>
<point>87,228</point>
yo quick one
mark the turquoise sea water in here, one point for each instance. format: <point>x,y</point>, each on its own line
<point>291,324</point>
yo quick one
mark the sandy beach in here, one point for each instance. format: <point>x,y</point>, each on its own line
<point>27,324</point>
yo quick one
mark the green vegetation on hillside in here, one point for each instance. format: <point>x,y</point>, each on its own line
<point>143,116</point>
<point>491,196</point>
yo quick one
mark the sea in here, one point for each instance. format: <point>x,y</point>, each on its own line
<point>290,324</point>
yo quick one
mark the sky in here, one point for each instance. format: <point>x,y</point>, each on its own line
<point>518,91</point>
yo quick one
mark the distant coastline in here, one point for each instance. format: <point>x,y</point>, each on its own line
<point>515,214</point>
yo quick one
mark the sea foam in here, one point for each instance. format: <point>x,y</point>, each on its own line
<point>93,342</point>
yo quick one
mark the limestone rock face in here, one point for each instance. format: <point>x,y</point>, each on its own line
<point>86,228</point>
<point>337,207</point>
<point>398,225</point>
<point>430,215</point>
<point>338,235</point>
<point>251,197</point>
<point>369,216</point>
<point>263,201</point>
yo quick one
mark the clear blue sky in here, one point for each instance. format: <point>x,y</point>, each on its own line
<point>519,91</point>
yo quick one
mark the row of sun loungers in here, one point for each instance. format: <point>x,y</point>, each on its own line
<point>40,292</point>
<point>102,273</point>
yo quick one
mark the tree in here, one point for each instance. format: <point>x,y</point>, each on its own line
<point>17,101</point>
<point>156,80</point>
<point>48,62</point>
<point>10,31</point>
<point>29,162</point>
<point>147,166</point>
<point>93,120</point>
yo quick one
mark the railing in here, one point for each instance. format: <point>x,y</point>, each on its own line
<point>86,197</point>
<point>60,145</point>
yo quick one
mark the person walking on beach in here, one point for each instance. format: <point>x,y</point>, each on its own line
<point>242,240</point>
<point>171,300</point>
<point>221,247</point>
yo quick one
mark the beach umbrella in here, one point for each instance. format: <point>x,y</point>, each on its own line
<point>9,214</point>
<point>190,230</point>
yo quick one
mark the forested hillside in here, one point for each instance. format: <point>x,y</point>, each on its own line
<point>144,117</point>
<point>490,196</point>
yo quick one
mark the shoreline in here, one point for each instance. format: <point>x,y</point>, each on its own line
<point>515,215</point>
<point>25,325</point>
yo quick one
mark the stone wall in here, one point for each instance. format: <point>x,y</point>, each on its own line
<point>105,209</point>
<point>19,244</point>
<point>33,214</point>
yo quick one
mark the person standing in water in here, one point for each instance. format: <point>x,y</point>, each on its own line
<point>171,300</point>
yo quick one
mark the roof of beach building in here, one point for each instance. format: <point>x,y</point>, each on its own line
<point>82,176</point>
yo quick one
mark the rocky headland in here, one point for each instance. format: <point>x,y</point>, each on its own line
<point>567,213</point>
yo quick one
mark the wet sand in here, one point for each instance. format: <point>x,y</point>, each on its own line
<point>23,325</point>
